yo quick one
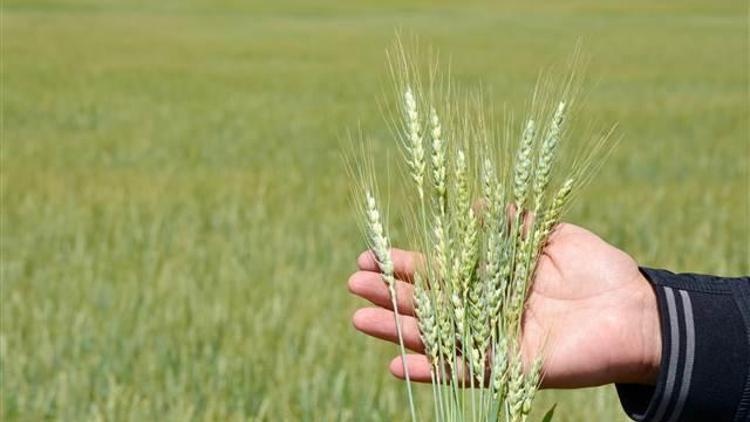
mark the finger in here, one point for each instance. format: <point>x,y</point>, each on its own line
<point>480,209</point>
<point>404,263</point>
<point>370,285</point>
<point>562,230</point>
<point>380,323</point>
<point>526,217</point>
<point>419,370</point>
<point>417,365</point>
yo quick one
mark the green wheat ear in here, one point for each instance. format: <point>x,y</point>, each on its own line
<point>380,246</point>
<point>479,264</point>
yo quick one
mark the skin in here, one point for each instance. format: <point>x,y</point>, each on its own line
<point>590,310</point>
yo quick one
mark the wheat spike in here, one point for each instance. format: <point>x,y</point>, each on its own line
<point>522,170</point>
<point>414,144</point>
<point>547,154</point>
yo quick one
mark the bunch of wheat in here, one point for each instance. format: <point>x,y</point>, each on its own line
<point>482,226</point>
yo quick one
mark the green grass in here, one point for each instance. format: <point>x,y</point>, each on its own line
<point>176,232</point>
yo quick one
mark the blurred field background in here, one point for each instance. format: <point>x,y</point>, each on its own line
<point>176,232</point>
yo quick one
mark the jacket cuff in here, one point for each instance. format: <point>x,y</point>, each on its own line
<point>704,357</point>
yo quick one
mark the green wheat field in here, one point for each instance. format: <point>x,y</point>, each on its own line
<point>177,230</point>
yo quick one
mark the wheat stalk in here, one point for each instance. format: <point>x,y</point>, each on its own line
<point>380,246</point>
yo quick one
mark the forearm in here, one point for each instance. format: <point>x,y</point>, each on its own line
<point>704,368</point>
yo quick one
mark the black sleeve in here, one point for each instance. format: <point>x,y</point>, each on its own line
<point>705,363</point>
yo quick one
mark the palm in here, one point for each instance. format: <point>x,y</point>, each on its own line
<point>580,311</point>
<point>589,311</point>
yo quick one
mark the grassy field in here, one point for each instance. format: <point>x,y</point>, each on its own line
<point>176,232</point>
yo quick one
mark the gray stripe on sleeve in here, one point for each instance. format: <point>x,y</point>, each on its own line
<point>687,371</point>
<point>673,354</point>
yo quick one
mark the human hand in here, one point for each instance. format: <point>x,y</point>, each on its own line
<point>590,311</point>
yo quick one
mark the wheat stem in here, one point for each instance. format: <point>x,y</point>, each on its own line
<point>381,248</point>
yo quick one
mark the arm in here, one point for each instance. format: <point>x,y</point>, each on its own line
<point>605,321</point>
<point>705,359</point>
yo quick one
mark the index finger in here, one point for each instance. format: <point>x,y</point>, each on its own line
<point>404,263</point>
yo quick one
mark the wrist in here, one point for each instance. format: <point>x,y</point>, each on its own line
<point>637,359</point>
<point>650,328</point>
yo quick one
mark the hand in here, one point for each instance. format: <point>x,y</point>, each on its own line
<point>590,308</point>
